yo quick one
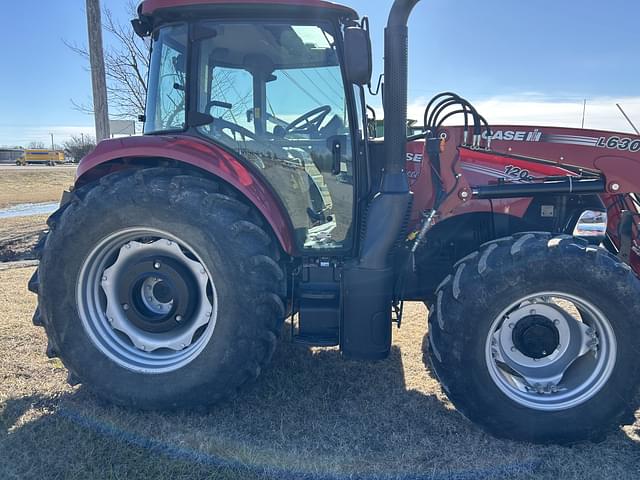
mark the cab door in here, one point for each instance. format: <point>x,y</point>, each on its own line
<point>277,97</point>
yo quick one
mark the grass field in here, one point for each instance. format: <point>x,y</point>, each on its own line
<point>33,185</point>
<point>310,415</point>
<point>19,235</point>
<point>28,185</point>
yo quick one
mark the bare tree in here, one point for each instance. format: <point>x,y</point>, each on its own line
<point>127,65</point>
<point>36,145</point>
<point>78,147</point>
<point>126,62</point>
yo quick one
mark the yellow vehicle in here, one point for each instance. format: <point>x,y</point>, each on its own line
<point>40,155</point>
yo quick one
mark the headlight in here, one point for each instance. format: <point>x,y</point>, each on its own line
<point>591,225</point>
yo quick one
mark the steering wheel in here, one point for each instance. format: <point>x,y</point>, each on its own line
<point>310,122</point>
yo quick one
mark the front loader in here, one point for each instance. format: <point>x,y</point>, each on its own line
<point>258,193</point>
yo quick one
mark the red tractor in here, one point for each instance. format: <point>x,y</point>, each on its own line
<point>258,193</point>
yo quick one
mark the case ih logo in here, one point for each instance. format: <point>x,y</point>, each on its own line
<point>414,166</point>
<point>515,135</point>
<point>414,157</point>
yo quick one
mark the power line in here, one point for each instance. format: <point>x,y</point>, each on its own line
<point>333,89</point>
<point>286,74</point>
<point>326,95</point>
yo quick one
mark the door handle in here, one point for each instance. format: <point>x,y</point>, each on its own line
<point>337,157</point>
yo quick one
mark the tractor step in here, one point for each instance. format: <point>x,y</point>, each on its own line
<point>319,305</point>
<point>316,341</point>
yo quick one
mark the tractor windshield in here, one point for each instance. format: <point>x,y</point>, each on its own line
<point>275,95</point>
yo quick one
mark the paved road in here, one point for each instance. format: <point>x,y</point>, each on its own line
<point>37,167</point>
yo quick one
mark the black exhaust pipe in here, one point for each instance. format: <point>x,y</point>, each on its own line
<point>396,59</point>
<point>368,282</point>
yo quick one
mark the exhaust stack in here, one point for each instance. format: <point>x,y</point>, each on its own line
<point>368,282</point>
<point>396,60</point>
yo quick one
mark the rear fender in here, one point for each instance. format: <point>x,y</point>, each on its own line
<point>130,152</point>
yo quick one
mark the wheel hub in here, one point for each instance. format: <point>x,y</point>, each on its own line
<point>536,336</point>
<point>550,351</point>
<point>156,294</point>
<point>147,301</point>
<point>161,292</point>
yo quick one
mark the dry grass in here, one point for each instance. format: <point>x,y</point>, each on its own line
<point>34,185</point>
<point>311,415</point>
<point>19,235</point>
<point>28,185</point>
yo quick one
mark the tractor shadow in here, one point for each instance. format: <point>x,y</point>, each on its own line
<point>310,411</point>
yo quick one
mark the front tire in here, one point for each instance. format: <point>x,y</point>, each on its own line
<point>535,338</point>
<point>159,290</point>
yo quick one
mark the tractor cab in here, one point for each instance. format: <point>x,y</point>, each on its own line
<point>270,91</point>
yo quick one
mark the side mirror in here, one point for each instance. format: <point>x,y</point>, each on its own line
<point>357,55</point>
<point>141,28</point>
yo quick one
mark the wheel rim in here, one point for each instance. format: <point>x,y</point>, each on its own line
<point>551,351</point>
<point>147,301</point>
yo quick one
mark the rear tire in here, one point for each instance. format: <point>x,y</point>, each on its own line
<point>490,319</point>
<point>211,235</point>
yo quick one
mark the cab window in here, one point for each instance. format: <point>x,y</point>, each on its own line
<point>276,95</point>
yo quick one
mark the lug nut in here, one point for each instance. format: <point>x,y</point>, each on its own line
<point>125,307</point>
<point>178,318</point>
<point>157,265</point>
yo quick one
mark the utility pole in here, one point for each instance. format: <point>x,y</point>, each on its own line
<point>584,111</point>
<point>52,144</point>
<point>98,75</point>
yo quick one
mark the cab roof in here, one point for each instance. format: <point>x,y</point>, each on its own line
<point>149,7</point>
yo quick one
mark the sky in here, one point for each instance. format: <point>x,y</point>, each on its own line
<point>525,62</point>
